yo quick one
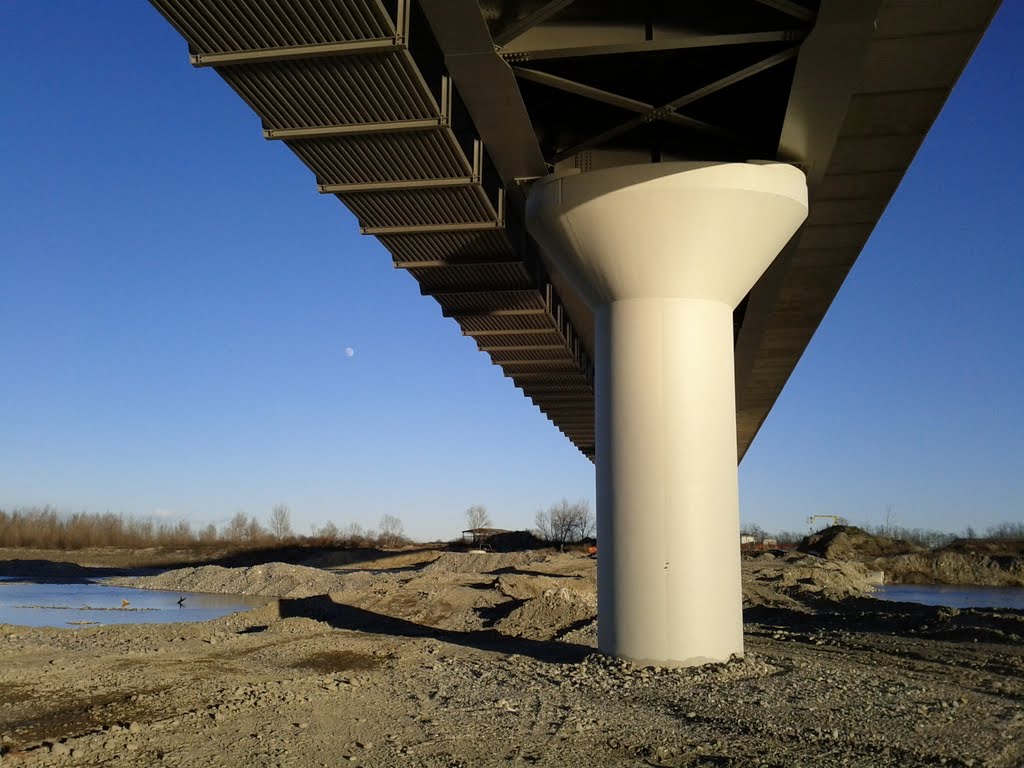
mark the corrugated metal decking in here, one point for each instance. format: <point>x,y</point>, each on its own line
<point>383,129</point>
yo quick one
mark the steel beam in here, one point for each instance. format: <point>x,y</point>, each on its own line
<point>464,290</point>
<point>735,77</point>
<point>570,401</point>
<point>528,22</point>
<point>579,390</point>
<point>580,89</point>
<point>416,229</point>
<point>461,261</point>
<point>663,112</point>
<point>457,313</point>
<point>355,129</point>
<point>542,361</point>
<point>487,88</point>
<point>647,112</point>
<point>319,51</point>
<point>559,393</point>
<point>556,377</point>
<point>398,184</point>
<point>526,348</point>
<point>790,8</point>
<point>508,332</point>
<point>667,43</point>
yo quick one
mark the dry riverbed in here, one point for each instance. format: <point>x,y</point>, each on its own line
<point>431,659</point>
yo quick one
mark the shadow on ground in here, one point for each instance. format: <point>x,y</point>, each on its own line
<point>518,571</point>
<point>884,617</point>
<point>343,616</point>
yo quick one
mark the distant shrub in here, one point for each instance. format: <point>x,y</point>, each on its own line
<point>46,528</point>
<point>1006,531</point>
<point>922,537</point>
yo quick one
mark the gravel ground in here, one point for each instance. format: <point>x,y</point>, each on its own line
<point>478,663</point>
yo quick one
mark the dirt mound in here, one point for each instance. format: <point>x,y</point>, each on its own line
<point>478,562</point>
<point>847,542</point>
<point>366,559</point>
<point>797,581</point>
<point>272,579</point>
<point>525,586</point>
<point>946,567</point>
<point>546,617</point>
<point>997,547</point>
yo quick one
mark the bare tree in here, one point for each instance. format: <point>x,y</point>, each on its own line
<point>281,522</point>
<point>327,534</point>
<point>755,530</point>
<point>584,523</point>
<point>235,529</point>
<point>254,532</point>
<point>561,522</point>
<point>789,537</point>
<point>477,517</point>
<point>178,534</point>
<point>354,535</point>
<point>392,531</point>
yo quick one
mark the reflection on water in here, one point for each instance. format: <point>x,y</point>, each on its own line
<point>50,604</point>
<point>953,597</point>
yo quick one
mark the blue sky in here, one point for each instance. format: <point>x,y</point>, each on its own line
<point>177,299</point>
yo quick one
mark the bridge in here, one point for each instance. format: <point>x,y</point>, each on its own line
<point>640,210</point>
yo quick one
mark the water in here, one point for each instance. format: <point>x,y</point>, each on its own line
<point>954,597</point>
<point>48,603</point>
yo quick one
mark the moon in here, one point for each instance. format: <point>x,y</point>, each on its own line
<point>349,352</point>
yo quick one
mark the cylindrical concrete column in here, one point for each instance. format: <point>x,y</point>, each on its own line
<point>667,500</point>
<point>663,253</point>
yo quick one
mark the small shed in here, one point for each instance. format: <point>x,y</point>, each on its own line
<point>478,536</point>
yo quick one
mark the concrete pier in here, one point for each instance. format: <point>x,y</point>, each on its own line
<point>663,253</point>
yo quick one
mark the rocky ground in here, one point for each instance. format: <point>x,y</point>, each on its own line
<point>446,659</point>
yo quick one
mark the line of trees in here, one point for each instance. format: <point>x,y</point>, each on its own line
<point>565,523</point>
<point>560,524</point>
<point>923,537</point>
<point>46,528</point>
<point>1001,531</point>
<point>391,533</point>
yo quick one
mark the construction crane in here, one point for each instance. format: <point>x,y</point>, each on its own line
<point>836,520</point>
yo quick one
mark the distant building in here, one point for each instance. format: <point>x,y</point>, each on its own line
<point>746,538</point>
<point>478,536</point>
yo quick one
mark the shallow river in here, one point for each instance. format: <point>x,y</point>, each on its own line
<point>954,597</point>
<point>39,603</point>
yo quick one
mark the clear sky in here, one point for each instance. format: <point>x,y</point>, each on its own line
<point>177,301</point>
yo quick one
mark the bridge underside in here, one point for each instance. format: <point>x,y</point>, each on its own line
<point>434,121</point>
<point>428,119</point>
